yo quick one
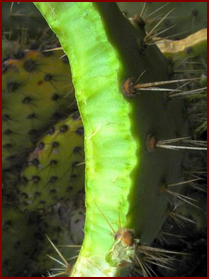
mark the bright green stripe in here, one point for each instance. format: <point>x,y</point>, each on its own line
<point>109,145</point>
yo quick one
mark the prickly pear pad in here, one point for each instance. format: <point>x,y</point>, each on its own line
<point>55,167</point>
<point>109,145</point>
<point>123,178</point>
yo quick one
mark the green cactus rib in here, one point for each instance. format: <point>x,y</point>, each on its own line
<point>107,185</point>
<point>122,178</point>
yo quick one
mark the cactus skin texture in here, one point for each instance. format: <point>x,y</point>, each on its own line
<point>192,46</point>
<point>36,88</point>
<point>19,232</point>
<point>185,19</point>
<point>127,176</point>
<point>63,231</point>
<point>114,122</point>
<point>55,167</point>
<point>22,22</point>
<point>25,250</point>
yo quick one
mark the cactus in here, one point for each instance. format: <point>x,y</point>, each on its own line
<point>23,22</point>
<point>25,251</point>
<point>57,228</point>
<point>178,19</point>
<point>193,45</point>
<point>55,167</point>
<point>134,120</point>
<point>112,135</point>
<point>37,85</point>
<point>18,245</point>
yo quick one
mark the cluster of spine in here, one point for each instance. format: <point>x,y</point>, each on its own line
<point>23,23</point>
<point>61,227</point>
<point>187,59</point>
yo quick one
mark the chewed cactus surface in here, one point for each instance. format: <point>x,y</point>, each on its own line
<point>104,139</point>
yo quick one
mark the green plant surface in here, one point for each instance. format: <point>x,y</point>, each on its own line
<point>55,167</point>
<point>35,88</point>
<point>59,232</point>
<point>143,197</point>
<point>18,232</point>
<point>192,46</point>
<point>97,170</point>
<point>185,18</point>
<point>122,177</point>
<point>22,21</point>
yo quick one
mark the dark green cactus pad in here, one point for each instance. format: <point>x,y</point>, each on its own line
<point>18,246</point>
<point>63,226</point>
